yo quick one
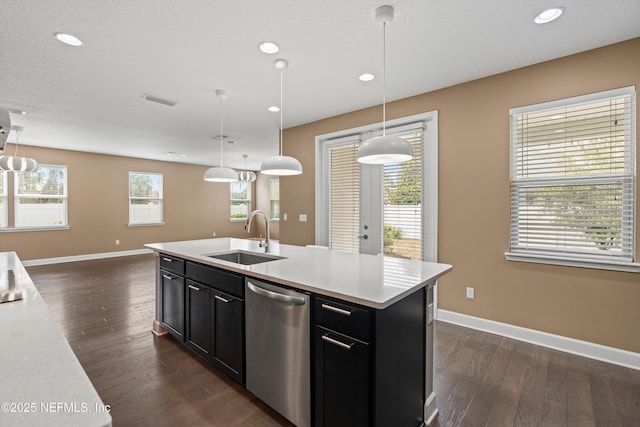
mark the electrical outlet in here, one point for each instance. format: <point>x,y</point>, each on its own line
<point>117,242</point>
<point>471,293</point>
<point>214,234</point>
<point>302,217</point>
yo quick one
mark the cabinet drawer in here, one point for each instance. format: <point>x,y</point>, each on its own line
<point>226,282</point>
<point>173,264</point>
<point>343,317</point>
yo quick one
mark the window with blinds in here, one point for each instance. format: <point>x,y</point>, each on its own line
<point>4,209</point>
<point>402,214</point>
<point>274,198</point>
<point>145,198</point>
<point>240,200</point>
<point>344,198</point>
<point>573,178</point>
<point>41,197</point>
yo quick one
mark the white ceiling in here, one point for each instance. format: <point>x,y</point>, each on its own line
<point>89,98</point>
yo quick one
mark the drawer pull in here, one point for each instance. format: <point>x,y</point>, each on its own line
<point>167,277</point>
<point>336,309</point>
<point>219,298</point>
<point>328,339</point>
<point>195,288</point>
<point>167,259</point>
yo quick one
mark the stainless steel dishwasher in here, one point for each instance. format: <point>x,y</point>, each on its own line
<point>277,348</point>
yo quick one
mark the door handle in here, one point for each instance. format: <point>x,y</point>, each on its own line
<point>287,299</point>
<point>328,339</point>
<point>219,298</point>
<point>364,236</point>
<point>195,288</point>
<point>167,277</point>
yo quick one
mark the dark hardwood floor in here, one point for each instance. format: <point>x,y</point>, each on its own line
<point>105,308</point>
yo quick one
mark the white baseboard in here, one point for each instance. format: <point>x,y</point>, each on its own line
<point>570,345</point>
<point>86,257</point>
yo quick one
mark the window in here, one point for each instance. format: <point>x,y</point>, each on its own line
<point>274,196</point>
<point>240,200</point>
<point>145,198</point>
<point>4,209</point>
<point>41,197</point>
<point>573,181</point>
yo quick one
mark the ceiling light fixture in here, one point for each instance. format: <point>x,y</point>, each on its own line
<point>366,77</point>
<point>221,174</point>
<point>15,163</point>
<point>269,48</point>
<point>246,175</point>
<point>549,15</point>
<point>384,149</point>
<point>68,39</point>
<point>274,108</point>
<point>281,165</point>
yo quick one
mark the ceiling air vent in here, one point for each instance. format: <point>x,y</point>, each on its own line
<point>158,99</point>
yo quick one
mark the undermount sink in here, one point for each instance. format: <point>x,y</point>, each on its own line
<point>245,258</point>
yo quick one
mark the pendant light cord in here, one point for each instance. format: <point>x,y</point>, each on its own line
<point>221,133</point>
<point>281,128</point>
<point>384,78</point>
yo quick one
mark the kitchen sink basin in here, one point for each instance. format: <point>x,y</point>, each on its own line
<point>245,258</point>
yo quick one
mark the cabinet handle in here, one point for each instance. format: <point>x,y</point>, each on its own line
<point>336,309</point>
<point>195,288</point>
<point>328,339</point>
<point>219,298</point>
<point>167,277</point>
<point>167,259</point>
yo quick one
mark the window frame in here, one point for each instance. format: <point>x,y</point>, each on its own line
<point>160,199</point>
<point>64,197</point>
<point>571,255</point>
<point>247,200</point>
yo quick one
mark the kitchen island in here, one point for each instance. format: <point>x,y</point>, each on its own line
<point>41,381</point>
<point>371,345</point>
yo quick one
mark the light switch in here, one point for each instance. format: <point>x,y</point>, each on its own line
<point>284,217</point>
<point>302,217</point>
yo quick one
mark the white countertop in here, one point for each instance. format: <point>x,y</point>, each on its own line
<point>41,381</point>
<point>373,281</point>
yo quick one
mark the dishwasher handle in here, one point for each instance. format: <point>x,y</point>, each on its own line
<point>276,296</point>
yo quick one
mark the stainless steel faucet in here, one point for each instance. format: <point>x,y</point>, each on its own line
<point>247,227</point>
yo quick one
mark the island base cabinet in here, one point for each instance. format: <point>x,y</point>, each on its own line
<point>228,335</point>
<point>198,330</point>
<point>342,388</point>
<point>173,309</point>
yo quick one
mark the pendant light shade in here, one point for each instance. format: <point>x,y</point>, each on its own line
<point>281,165</point>
<point>246,175</point>
<point>385,149</point>
<point>221,174</point>
<point>16,163</point>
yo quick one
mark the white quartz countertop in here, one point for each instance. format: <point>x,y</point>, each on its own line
<point>41,381</point>
<point>369,280</point>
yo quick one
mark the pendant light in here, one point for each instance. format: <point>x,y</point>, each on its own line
<point>281,165</point>
<point>384,149</point>
<point>246,175</point>
<point>15,163</point>
<point>221,174</point>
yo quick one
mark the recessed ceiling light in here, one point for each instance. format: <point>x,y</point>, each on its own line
<point>274,108</point>
<point>549,15</point>
<point>366,77</point>
<point>269,47</point>
<point>69,39</point>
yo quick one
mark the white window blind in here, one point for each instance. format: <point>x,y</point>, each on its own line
<point>344,195</point>
<point>4,208</point>
<point>41,197</point>
<point>240,200</point>
<point>402,215</point>
<point>274,197</point>
<point>573,178</point>
<point>145,198</point>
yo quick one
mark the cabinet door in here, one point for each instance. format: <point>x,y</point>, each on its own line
<point>342,380</point>
<point>228,334</point>
<point>198,316</point>
<point>172,317</point>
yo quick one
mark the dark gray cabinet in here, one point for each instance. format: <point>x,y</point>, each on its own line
<point>370,364</point>
<point>227,352</point>
<point>172,291</point>
<point>198,318</point>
